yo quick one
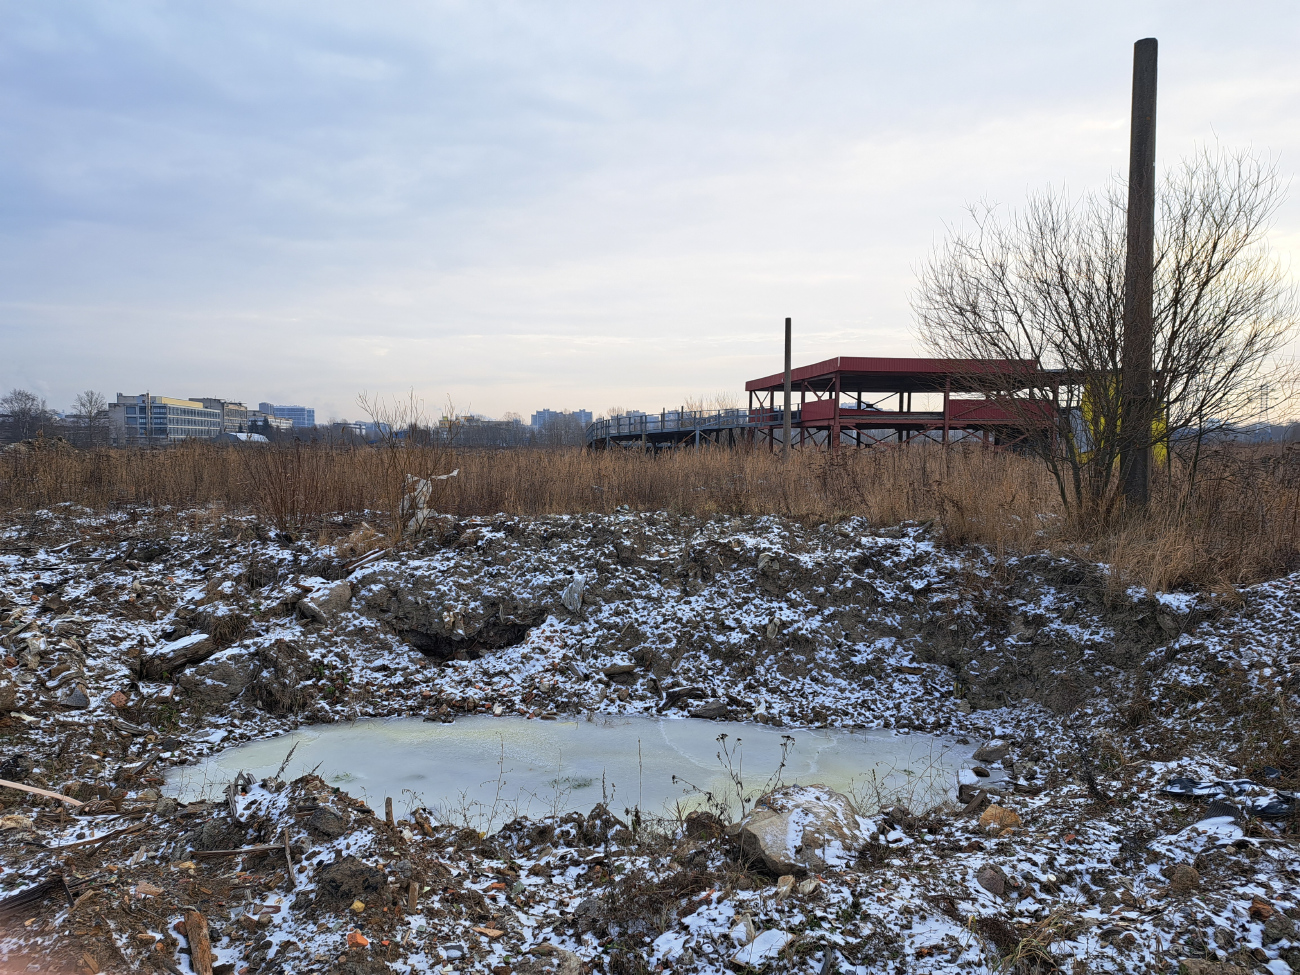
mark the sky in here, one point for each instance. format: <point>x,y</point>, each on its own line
<point>512,206</point>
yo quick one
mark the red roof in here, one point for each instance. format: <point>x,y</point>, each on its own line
<point>893,375</point>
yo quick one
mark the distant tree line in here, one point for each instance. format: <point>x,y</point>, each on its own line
<point>25,415</point>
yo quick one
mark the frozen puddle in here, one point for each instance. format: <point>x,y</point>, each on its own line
<point>483,771</point>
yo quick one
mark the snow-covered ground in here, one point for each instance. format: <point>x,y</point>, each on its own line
<point>140,641</point>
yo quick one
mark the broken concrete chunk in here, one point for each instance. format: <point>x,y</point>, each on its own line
<point>802,827</point>
<point>75,697</point>
<point>743,932</point>
<point>572,595</point>
<point>766,947</point>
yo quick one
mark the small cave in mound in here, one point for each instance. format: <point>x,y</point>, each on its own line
<point>494,636</point>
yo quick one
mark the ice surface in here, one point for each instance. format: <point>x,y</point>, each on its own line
<point>540,767</point>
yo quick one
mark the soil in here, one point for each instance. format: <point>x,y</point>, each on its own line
<point>138,641</point>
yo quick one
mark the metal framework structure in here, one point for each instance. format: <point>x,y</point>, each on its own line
<point>850,401</point>
<point>865,402</point>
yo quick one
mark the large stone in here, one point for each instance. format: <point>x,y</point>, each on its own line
<point>218,680</point>
<point>711,710</point>
<point>1278,928</point>
<point>992,751</point>
<point>325,604</point>
<point>992,878</point>
<point>800,828</point>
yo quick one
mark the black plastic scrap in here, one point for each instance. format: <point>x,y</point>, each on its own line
<point>1281,805</point>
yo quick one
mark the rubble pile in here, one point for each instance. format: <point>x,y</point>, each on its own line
<point>135,642</point>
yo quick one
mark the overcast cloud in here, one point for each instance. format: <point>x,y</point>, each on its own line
<point>526,205</point>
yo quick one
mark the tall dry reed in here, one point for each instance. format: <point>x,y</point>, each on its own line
<point>1238,526</point>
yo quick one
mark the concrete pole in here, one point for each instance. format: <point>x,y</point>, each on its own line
<point>785,422</point>
<point>1136,414</point>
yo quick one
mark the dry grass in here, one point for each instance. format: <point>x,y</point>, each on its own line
<point>1240,526</point>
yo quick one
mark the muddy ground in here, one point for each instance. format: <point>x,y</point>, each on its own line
<point>144,640</point>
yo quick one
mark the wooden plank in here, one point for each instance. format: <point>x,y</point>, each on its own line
<point>40,792</point>
<point>196,933</point>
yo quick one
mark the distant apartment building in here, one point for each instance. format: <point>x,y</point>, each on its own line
<point>161,419</point>
<point>302,416</point>
<point>544,418</point>
<point>234,416</point>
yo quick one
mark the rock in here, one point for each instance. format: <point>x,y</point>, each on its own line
<point>16,767</point>
<point>992,878</point>
<point>1260,909</point>
<point>572,595</point>
<point>219,679</point>
<point>333,600</point>
<point>1278,928</point>
<point>766,947</point>
<point>217,834</point>
<point>326,823</point>
<point>8,694</point>
<point>1183,879</point>
<point>999,817</point>
<point>614,670</point>
<point>992,751</point>
<point>798,828</point>
<point>75,697</point>
<point>308,609</point>
<point>1202,966</point>
<point>347,880</point>
<point>165,806</point>
<point>711,710</point>
<point>1109,901</point>
<point>675,695</point>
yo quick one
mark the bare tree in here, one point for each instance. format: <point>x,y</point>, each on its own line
<point>26,412</point>
<point>1043,288</point>
<point>91,408</point>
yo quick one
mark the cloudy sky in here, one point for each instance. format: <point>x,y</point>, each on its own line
<point>550,204</point>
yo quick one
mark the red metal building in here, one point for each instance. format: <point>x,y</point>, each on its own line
<point>864,401</point>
